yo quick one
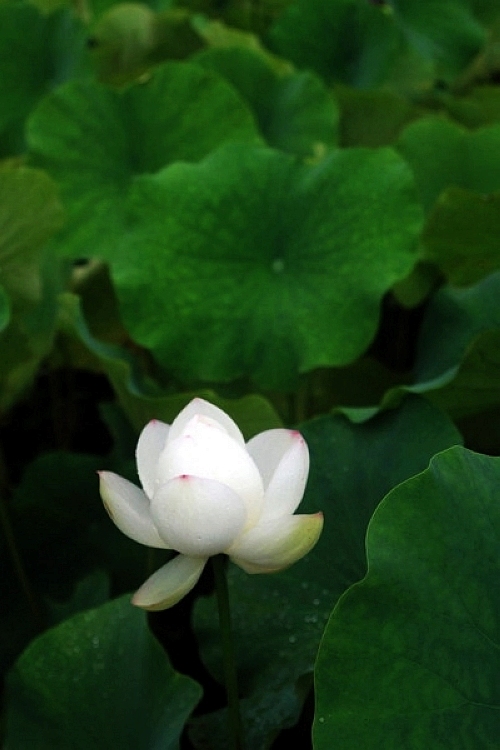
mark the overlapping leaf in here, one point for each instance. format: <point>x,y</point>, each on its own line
<point>461,235</point>
<point>372,118</point>
<point>295,112</point>
<point>36,52</point>
<point>143,400</point>
<point>476,108</point>
<point>458,355</point>
<point>458,174</point>
<point>410,656</point>
<point>459,350</point>
<point>445,31</point>
<point>30,213</point>
<point>95,141</point>
<point>443,154</point>
<point>342,40</point>
<point>63,531</point>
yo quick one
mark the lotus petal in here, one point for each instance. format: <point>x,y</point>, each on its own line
<point>170,583</point>
<point>129,509</point>
<point>276,544</point>
<point>198,517</point>
<point>199,406</point>
<point>151,442</point>
<point>206,451</point>
<point>282,458</point>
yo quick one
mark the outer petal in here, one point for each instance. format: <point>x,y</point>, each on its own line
<point>282,458</point>
<point>170,583</point>
<point>129,509</point>
<point>275,545</point>
<point>203,408</point>
<point>151,442</point>
<point>206,451</point>
<point>198,517</point>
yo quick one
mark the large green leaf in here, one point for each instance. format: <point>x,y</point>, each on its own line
<point>89,592</point>
<point>372,118</point>
<point>458,358</point>
<point>442,30</point>
<point>486,10</point>
<point>266,266</point>
<point>461,235</point>
<point>99,680</point>
<point>443,154</point>
<point>476,108</point>
<point>278,619</point>
<point>453,319</point>
<point>36,52</point>
<point>410,656</point>
<point>63,530</point>
<point>63,536</point>
<point>4,309</point>
<point>458,353</point>
<point>21,43</point>
<point>30,213</point>
<point>95,141</point>
<point>474,386</point>
<point>295,112</point>
<point>343,40</point>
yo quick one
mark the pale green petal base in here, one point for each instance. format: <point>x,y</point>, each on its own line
<point>273,546</point>
<point>170,583</point>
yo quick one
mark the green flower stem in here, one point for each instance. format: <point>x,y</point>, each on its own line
<point>233,706</point>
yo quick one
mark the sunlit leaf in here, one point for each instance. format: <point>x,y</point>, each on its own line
<point>95,141</point>
<point>266,267</point>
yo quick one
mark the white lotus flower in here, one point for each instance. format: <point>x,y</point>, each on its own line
<point>204,492</point>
